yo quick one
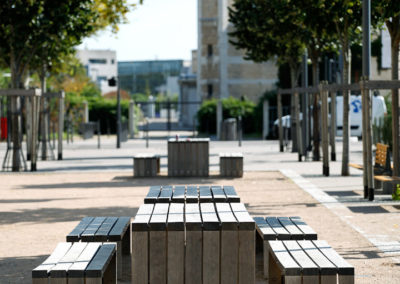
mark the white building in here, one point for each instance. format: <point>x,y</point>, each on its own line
<point>100,66</point>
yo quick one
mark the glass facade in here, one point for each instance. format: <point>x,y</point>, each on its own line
<point>143,76</point>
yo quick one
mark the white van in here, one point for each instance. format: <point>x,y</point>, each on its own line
<point>355,121</point>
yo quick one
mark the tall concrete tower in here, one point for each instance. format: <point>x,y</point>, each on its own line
<point>222,71</point>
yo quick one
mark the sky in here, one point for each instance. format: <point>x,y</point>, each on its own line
<point>157,29</point>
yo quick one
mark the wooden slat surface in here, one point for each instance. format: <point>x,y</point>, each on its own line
<point>153,194</point>
<point>142,218</point>
<point>205,194</point>
<point>295,233</point>
<point>102,233</point>
<point>218,194</point>
<point>281,232</point>
<point>264,229</point>
<point>175,217</point>
<point>192,217</point>
<point>90,231</point>
<point>61,268</point>
<point>42,270</point>
<point>284,259</point>
<point>209,216</point>
<point>325,266</point>
<point>231,194</point>
<point>78,268</point>
<point>307,265</point>
<point>75,235</point>
<point>245,222</point>
<point>309,233</point>
<point>165,195</point>
<point>179,194</point>
<point>158,221</point>
<point>226,217</point>
<point>192,195</point>
<point>100,261</point>
<point>344,268</point>
<point>119,229</point>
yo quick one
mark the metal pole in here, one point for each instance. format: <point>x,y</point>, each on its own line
<point>240,130</point>
<point>304,107</point>
<point>169,115</point>
<point>147,132</point>
<point>333,126</point>
<point>34,132</point>
<point>118,115</point>
<point>131,119</point>
<point>265,119</point>
<point>298,127</point>
<point>219,118</point>
<point>280,130</point>
<point>324,128</point>
<point>60,126</point>
<point>98,134</point>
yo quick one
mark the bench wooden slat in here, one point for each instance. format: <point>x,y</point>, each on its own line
<point>165,195</point>
<point>75,235</point>
<point>211,242</point>
<point>103,257</point>
<point>284,259</point>
<point>218,194</point>
<point>295,233</point>
<point>119,229</point>
<point>231,194</point>
<point>77,270</point>
<point>102,233</point>
<point>356,166</point>
<point>42,270</point>
<point>205,194</point>
<point>63,265</point>
<point>325,266</point>
<point>245,222</point>
<point>158,221</point>
<point>179,194</point>
<point>90,231</point>
<point>264,229</point>
<point>344,268</point>
<point>309,233</point>
<point>153,194</point>
<point>225,215</point>
<point>307,265</point>
<point>193,218</point>
<point>192,194</point>
<point>280,231</point>
<point>176,243</point>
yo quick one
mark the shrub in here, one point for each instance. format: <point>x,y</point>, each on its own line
<point>231,108</point>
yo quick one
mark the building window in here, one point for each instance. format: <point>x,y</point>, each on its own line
<point>98,61</point>
<point>209,90</point>
<point>112,61</point>
<point>209,50</point>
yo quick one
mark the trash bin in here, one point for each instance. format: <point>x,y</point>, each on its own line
<point>229,129</point>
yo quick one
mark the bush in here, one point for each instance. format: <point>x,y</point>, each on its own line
<point>231,108</point>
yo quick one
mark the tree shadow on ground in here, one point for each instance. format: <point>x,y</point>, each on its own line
<point>19,269</point>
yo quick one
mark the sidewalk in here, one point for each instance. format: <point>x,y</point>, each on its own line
<point>39,209</point>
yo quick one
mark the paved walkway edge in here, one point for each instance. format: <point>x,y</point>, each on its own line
<point>381,242</point>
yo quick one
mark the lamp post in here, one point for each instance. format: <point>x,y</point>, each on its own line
<point>112,83</point>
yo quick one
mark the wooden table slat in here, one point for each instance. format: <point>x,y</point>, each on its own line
<point>142,218</point>
<point>179,194</point>
<point>218,194</point>
<point>165,195</point>
<point>205,194</point>
<point>192,195</point>
<point>153,194</point>
<point>158,221</point>
<point>192,217</point>
<point>243,217</point>
<point>63,265</point>
<point>90,231</point>
<point>209,217</point>
<point>231,194</point>
<point>176,217</point>
<point>225,215</point>
<point>285,260</point>
<point>281,232</point>
<point>102,233</point>
<point>264,229</point>
<point>77,269</point>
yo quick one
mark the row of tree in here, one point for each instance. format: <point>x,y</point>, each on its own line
<point>284,29</point>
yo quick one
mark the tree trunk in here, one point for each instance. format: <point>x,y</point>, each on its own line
<point>346,102</point>
<point>43,115</point>
<point>15,121</point>
<point>315,69</point>
<point>395,105</point>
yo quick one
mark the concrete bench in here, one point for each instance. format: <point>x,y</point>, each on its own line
<point>280,228</point>
<point>191,194</point>
<point>184,243</point>
<point>78,263</point>
<point>146,165</point>
<point>107,229</point>
<point>231,164</point>
<point>307,261</point>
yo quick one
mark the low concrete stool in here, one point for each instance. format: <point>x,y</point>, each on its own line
<point>231,164</point>
<point>146,165</point>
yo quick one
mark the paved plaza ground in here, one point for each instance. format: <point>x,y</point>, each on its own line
<point>39,209</point>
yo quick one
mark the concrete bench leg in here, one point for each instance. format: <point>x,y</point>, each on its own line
<point>140,257</point>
